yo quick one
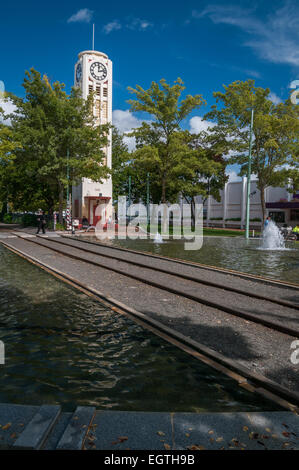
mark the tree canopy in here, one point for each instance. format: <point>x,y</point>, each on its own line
<point>55,130</point>
<point>275,131</point>
<point>156,151</point>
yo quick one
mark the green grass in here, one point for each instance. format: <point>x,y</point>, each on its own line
<point>217,232</point>
<point>222,233</point>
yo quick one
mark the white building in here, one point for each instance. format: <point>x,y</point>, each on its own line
<point>281,205</point>
<point>93,73</point>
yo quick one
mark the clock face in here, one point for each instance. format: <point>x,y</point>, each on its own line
<point>79,72</point>
<point>98,71</point>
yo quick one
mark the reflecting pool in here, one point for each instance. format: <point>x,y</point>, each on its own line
<point>230,253</point>
<point>64,347</point>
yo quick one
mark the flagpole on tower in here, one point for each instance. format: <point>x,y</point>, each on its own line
<point>93,37</point>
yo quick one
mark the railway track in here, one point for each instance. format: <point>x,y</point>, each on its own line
<point>176,263</point>
<point>216,269</point>
<point>245,377</point>
<point>188,284</point>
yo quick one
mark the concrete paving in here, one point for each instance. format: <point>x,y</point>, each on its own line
<point>48,427</point>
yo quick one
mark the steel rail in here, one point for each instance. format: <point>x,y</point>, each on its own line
<point>284,303</point>
<point>256,277</point>
<point>247,379</point>
<point>236,312</point>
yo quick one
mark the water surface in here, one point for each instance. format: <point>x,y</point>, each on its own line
<point>230,253</point>
<point>64,347</point>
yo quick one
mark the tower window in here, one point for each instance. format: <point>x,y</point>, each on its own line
<point>90,88</point>
<point>105,109</point>
<point>105,92</point>
<point>98,90</point>
<point>98,108</point>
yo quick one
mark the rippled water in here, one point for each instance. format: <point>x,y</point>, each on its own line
<point>63,347</point>
<point>230,253</point>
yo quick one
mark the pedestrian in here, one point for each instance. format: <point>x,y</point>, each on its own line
<point>296,231</point>
<point>41,222</point>
<point>85,223</point>
<point>268,219</point>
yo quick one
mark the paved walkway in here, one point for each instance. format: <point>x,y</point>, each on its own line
<point>8,226</point>
<point>47,427</point>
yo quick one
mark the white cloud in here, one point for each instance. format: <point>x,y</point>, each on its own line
<point>275,39</point>
<point>82,16</point>
<point>112,26</point>
<point>125,122</point>
<point>286,166</point>
<point>197,125</point>
<point>253,73</point>
<point>134,24</point>
<point>130,142</point>
<point>274,98</point>
<point>233,176</point>
<point>139,24</point>
<point>8,107</point>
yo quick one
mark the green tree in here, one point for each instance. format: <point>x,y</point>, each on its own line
<point>199,169</point>
<point>120,164</point>
<point>124,165</point>
<point>8,145</point>
<point>49,123</point>
<point>275,130</point>
<point>155,141</point>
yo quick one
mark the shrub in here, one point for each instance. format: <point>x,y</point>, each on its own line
<point>17,218</point>
<point>29,220</point>
<point>7,219</point>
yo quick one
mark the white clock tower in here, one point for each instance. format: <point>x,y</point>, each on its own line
<point>93,73</point>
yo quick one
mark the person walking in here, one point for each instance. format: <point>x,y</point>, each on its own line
<point>41,222</point>
<point>268,219</point>
<point>296,231</point>
<point>85,223</point>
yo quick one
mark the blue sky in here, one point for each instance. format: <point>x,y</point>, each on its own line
<point>207,44</point>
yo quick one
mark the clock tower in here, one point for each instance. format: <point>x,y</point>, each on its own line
<point>93,73</point>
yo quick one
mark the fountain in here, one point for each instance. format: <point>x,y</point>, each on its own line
<point>158,238</point>
<point>272,238</point>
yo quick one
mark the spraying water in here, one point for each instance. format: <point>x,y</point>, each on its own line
<point>158,238</point>
<point>272,238</point>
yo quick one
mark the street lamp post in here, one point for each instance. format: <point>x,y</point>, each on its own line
<point>130,183</point>
<point>68,206</point>
<point>147,199</point>
<point>249,178</point>
<point>67,175</point>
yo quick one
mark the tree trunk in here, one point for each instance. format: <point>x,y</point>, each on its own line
<point>193,213</point>
<point>4,209</point>
<point>163,195</point>
<point>50,206</point>
<point>263,203</point>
